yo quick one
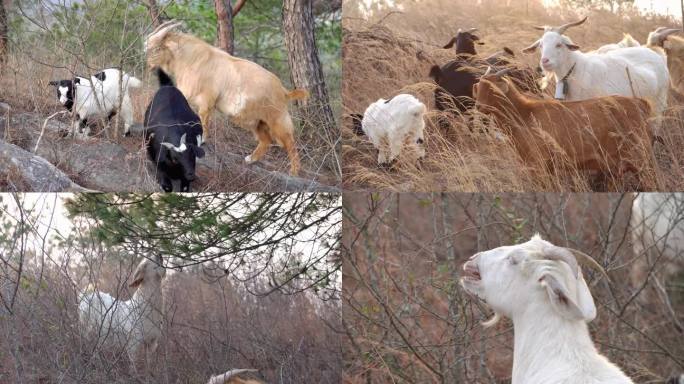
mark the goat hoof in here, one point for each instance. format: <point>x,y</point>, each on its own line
<point>248,159</point>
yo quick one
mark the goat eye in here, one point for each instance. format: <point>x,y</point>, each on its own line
<point>512,260</point>
<point>558,45</point>
<point>419,141</point>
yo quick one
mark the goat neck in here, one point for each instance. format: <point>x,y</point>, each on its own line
<point>548,346</point>
<point>563,69</point>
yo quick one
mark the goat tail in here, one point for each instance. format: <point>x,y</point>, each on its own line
<point>298,94</point>
<point>164,79</point>
<point>357,125</point>
<point>223,378</point>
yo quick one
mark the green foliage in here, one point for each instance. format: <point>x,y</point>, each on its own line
<point>291,238</point>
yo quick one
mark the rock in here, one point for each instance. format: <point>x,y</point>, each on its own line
<point>26,172</point>
<point>110,167</point>
<point>100,165</point>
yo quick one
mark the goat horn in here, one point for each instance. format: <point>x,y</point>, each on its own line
<point>471,30</point>
<point>223,378</point>
<point>182,142</point>
<point>588,261</point>
<point>164,30</point>
<point>561,30</point>
<point>660,34</point>
<point>162,25</point>
<point>459,31</point>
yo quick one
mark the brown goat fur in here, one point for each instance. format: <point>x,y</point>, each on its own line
<point>674,48</point>
<point>251,96</point>
<point>609,134</point>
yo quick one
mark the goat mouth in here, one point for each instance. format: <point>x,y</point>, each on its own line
<point>471,272</point>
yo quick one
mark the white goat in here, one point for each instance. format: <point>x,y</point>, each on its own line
<point>541,288</point>
<point>657,228</point>
<point>390,124</point>
<point>626,42</point>
<point>135,323</point>
<point>632,72</point>
<point>98,97</point>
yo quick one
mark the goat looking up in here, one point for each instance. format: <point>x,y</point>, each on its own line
<point>541,288</point>
<point>134,323</point>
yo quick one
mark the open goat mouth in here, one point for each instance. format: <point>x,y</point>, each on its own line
<point>471,272</point>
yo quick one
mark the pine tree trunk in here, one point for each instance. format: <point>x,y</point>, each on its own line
<point>224,21</point>
<point>153,8</point>
<point>4,31</point>
<point>305,67</point>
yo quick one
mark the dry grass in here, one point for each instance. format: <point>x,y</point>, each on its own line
<point>209,328</point>
<point>391,52</point>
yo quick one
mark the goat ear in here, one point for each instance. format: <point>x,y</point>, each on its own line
<point>199,152</point>
<point>577,306</point>
<point>450,43</point>
<point>532,47</point>
<point>138,276</point>
<point>572,47</point>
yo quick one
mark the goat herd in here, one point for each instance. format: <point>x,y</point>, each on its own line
<point>605,118</point>
<point>251,96</point>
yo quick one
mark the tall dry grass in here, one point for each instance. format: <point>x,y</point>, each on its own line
<point>391,50</point>
<point>209,327</point>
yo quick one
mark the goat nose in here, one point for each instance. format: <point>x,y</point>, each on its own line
<point>545,61</point>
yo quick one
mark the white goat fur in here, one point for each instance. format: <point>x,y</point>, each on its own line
<point>390,125</point>
<point>550,305</point>
<point>604,74</point>
<point>135,323</point>
<point>102,98</point>
<point>657,226</point>
<point>626,42</point>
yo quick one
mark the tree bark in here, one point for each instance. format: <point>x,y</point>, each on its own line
<point>224,27</point>
<point>4,31</point>
<point>305,67</point>
<point>153,8</point>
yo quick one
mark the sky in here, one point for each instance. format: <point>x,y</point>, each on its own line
<point>672,7</point>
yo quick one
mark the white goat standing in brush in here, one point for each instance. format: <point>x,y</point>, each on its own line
<point>134,323</point>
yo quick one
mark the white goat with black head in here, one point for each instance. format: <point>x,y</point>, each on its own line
<point>541,288</point>
<point>98,97</point>
<point>135,323</point>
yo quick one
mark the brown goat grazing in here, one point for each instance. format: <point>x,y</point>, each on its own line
<point>251,96</point>
<point>605,134</point>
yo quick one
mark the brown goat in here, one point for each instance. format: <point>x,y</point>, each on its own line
<point>674,50</point>
<point>251,96</point>
<point>604,134</point>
